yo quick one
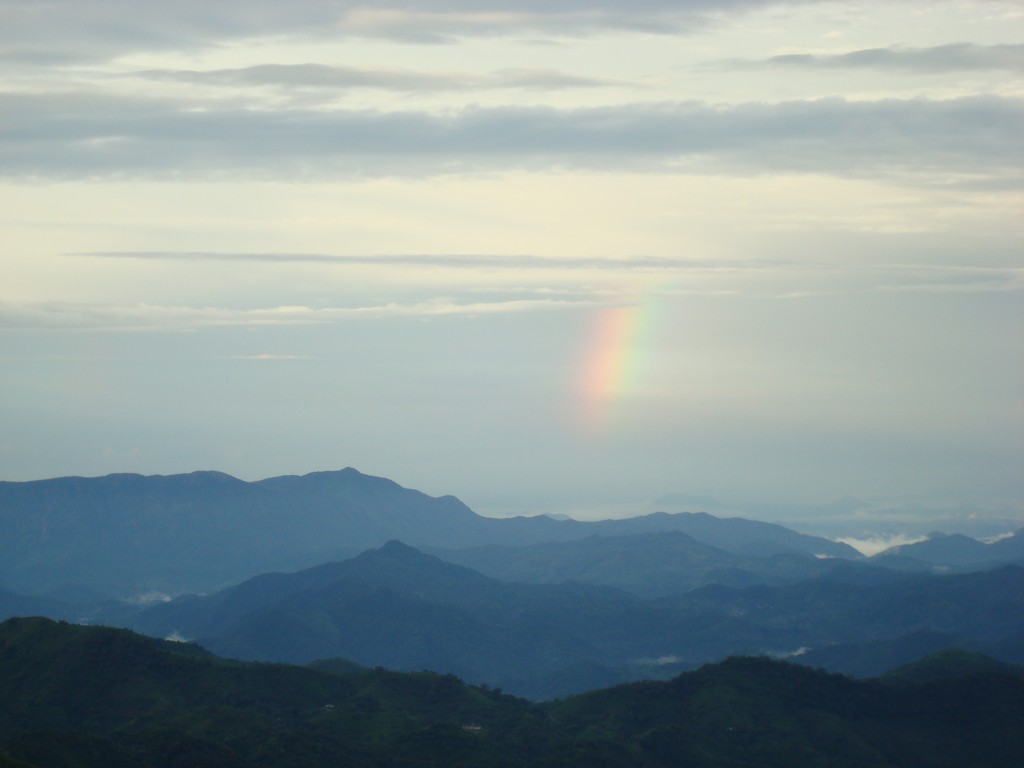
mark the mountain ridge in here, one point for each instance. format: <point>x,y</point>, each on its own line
<point>957,552</point>
<point>404,609</point>
<point>94,697</point>
<point>125,534</point>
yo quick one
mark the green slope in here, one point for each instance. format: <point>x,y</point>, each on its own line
<point>759,712</point>
<point>85,697</point>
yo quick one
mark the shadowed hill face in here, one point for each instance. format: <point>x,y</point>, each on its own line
<point>395,567</point>
<point>951,664</point>
<point>398,607</point>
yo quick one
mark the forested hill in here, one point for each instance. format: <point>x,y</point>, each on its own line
<point>85,697</point>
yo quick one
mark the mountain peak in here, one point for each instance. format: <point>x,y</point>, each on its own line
<point>396,548</point>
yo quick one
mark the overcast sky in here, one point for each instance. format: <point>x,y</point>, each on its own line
<point>554,256</point>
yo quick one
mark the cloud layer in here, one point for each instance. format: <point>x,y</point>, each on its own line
<point>83,135</point>
<point>56,31</point>
<point>953,57</point>
<point>148,317</point>
<point>322,76</point>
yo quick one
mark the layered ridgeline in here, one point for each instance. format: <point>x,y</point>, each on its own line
<point>123,535</point>
<point>954,552</point>
<point>651,564</point>
<point>670,562</point>
<point>538,606</point>
<point>400,608</point>
<point>91,697</point>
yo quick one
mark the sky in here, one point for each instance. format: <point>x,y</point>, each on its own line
<point>549,257</point>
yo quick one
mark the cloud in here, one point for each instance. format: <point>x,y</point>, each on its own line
<point>150,598</point>
<point>978,286</point>
<point>953,57</point>
<point>148,317</point>
<point>440,22</point>
<point>97,30</point>
<point>84,135</point>
<point>998,537</point>
<point>322,76</point>
<point>953,279</point>
<point>660,661</point>
<point>872,545</point>
<point>456,261</point>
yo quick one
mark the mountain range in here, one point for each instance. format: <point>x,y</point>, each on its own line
<point>95,697</point>
<point>128,535</point>
<point>954,552</point>
<point>400,608</point>
<point>302,569</point>
<point>647,564</point>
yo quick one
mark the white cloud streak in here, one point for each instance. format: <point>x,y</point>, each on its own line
<point>827,279</point>
<point>927,278</point>
<point>871,546</point>
<point>639,263</point>
<point>323,76</point>
<point>953,57</point>
<point>64,316</point>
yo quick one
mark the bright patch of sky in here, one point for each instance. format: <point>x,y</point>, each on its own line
<point>268,239</point>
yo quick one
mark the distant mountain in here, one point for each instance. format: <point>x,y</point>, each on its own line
<point>751,538</point>
<point>951,664</point>
<point>645,564</point>
<point>984,606</point>
<point>124,535</point>
<point>872,658</point>
<point>955,552</point>
<point>93,697</point>
<point>14,604</point>
<point>400,608</point>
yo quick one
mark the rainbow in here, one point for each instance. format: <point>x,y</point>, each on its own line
<point>613,363</point>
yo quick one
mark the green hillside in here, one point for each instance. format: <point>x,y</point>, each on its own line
<point>85,697</point>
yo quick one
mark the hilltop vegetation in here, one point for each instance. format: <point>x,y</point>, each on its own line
<point>86,697</point>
